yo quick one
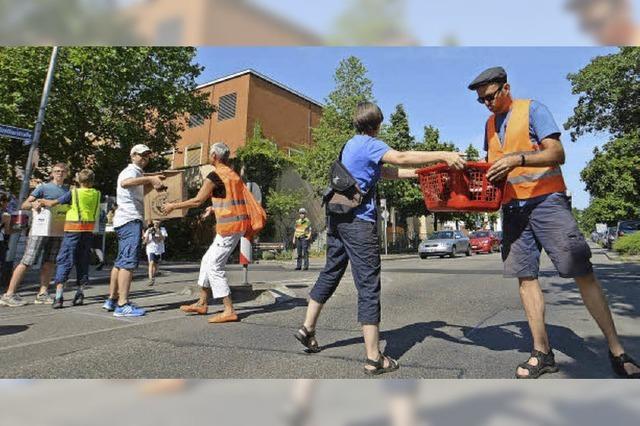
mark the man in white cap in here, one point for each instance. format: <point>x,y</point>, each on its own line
<point>127,223</point>
<point>301,238</point>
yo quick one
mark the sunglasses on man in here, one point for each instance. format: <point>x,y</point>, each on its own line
<point>491,97</point>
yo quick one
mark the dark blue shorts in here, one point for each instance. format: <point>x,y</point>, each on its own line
<point>547,225</point>
<point>154,257</point>
<point>129,242</point>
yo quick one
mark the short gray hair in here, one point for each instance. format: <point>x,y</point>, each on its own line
<point>220,150</point>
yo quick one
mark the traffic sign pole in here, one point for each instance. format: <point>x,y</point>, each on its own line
<point>24,189</point>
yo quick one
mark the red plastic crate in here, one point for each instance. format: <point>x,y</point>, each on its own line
<point>466,190</point>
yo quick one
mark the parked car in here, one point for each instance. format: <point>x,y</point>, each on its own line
<point>445,243</point>
<point>484,241</point>
<point>627,227</point>
<point>610,237</point>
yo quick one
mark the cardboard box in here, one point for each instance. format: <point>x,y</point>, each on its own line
<point>173,192</point>
<point>49,222</point>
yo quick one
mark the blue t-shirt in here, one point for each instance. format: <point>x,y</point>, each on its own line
<point>362,156</point>
<point>50,191</point>
<point>541,126</point>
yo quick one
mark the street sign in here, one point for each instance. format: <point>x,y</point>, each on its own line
<point>16,133</point>
<point>255,191</point>
<point>385,214</point>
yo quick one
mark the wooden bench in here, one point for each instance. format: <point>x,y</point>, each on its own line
<point>259,248</point>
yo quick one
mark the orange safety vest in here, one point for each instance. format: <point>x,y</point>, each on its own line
<point>522,182</point>
<point>231,211</point>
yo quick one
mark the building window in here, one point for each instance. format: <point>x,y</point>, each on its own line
<point>192,155</point>
<point>196,120</point>
<point>227,107</point>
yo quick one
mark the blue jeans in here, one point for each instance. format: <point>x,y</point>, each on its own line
<point>352,240</point>
<point>302,248</point>
<point>74,251</point>
<point>129,242</point>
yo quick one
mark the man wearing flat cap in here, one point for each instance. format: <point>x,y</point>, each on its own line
<point>522,141</point>
<point>301,239</point>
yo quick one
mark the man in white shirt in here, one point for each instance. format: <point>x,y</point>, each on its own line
<point>154,238</point>
<point>127,223</point>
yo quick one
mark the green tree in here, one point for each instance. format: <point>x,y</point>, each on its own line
<point>609,95</point>
<point>103,101</point>
<point>335,127</point>
<point>261,160</point>
<point>405,194</point>
<point>472,153</point>
<point>281,208</point>
<point>612,178</point>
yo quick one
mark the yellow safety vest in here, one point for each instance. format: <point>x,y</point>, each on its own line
<point>81,216</point>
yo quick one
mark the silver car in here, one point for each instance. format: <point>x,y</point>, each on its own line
<point>444,243</point>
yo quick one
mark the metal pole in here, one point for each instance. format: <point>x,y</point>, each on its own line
<point>24,189</point>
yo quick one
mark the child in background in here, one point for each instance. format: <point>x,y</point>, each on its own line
<point>78,235</point>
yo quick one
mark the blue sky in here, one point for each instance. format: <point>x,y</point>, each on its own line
<point>431,83</point>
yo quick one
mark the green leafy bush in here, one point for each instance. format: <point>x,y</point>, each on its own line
<point>629,244</point>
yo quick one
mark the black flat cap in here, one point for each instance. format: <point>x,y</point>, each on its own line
<point>488,76</point>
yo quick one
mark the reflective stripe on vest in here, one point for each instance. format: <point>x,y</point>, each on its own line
<point>522,182</point>
<point>230,211</point>
<point>81,216</point>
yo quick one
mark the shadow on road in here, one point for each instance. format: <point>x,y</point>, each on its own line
<point>6,330</point>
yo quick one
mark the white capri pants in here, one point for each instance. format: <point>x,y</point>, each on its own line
<point>212,271</point>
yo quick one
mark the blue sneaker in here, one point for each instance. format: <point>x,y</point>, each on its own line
<point>109,305</point>
<point>128,310</point>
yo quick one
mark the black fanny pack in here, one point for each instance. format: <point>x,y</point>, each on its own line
<point>343,194</point>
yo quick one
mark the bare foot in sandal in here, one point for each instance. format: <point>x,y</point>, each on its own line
<point>308,339</point>
<point>384,364</point>
<point>538,364</point>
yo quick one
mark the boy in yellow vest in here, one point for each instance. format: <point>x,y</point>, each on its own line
<point>78,235</point>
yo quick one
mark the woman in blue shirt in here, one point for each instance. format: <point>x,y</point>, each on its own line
<point>354,238</point>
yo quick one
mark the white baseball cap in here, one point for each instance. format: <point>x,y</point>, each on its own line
<point>302,210</point>
<point>140,149</point>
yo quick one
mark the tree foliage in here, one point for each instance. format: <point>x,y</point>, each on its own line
<point>609,95</point>
<point>336,125</point>
<point>261,160</point>
<point>405,194</point>
<point>103,101</point>
<point>282,207</point>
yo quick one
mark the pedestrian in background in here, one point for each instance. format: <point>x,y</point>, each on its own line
<point>84,207</point>
<point>48,247</point>
<point>154,239</point>
<point>302,239</point>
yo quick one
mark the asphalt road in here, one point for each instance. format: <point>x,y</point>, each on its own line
<point>442,318</point>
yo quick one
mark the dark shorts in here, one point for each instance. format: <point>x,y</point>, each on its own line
<point>547,225</point>
<point>154,257</point>
<point>47,246</point>
<point>129,243</point>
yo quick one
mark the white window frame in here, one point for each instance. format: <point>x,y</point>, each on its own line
<point>186,154</point>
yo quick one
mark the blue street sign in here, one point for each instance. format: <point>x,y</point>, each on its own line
<point>16,133</point>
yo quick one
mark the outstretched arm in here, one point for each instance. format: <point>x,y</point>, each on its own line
<point>198,200</point>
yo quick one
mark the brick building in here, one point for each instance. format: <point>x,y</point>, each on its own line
<point>241,100</point>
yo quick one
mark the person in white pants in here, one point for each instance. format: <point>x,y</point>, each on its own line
<point>226,190</point>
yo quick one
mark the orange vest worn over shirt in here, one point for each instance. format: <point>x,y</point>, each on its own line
<point>522,182</point>
<point>231,211</point>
